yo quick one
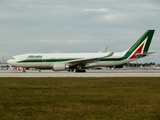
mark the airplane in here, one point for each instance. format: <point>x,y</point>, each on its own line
<point>79,62</point>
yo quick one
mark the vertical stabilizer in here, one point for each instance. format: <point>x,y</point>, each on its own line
<point>141,46</point>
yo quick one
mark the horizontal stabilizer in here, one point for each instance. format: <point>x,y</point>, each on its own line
<point>144,54</point>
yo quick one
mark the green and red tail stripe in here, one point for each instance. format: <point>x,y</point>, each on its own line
<point>141,46</point>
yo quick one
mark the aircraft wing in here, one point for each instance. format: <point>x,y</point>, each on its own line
<point>144,54</point>
<point>87,60</point>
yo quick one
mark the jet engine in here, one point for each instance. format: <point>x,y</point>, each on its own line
<point>60,66</point>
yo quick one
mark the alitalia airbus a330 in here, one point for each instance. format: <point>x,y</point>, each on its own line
<point>78,62</point>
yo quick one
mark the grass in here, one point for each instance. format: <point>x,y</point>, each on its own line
<point>80,98</point>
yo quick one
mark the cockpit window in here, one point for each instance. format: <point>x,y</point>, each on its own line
<point>13,58</point>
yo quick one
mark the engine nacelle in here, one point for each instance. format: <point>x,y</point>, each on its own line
<point>59,66</point>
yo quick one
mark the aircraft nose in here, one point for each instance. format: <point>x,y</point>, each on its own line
<point>10,61</point>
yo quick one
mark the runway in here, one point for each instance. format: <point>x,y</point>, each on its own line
<point>89,73</point>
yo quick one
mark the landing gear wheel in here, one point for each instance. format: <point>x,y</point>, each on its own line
<point>79,70</point>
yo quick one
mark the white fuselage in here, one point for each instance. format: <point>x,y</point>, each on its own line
<point>47,60</point>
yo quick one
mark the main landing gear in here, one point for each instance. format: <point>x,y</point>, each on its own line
<point>80,70</point>
<point>76,70</point>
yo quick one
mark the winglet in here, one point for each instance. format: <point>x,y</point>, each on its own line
<point>109,55</point>
<point>103,50</point>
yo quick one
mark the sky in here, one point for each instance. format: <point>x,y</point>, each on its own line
<point>49,26</point>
